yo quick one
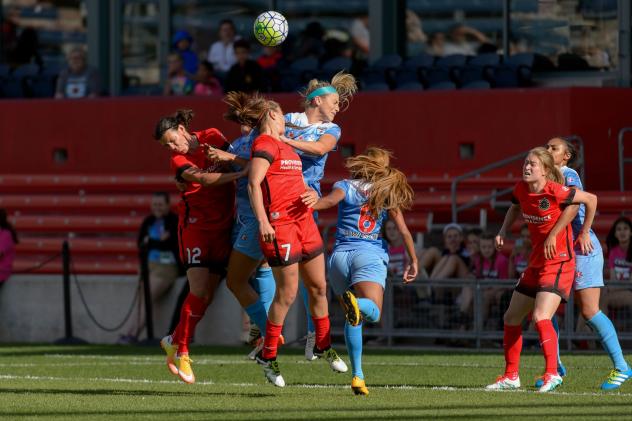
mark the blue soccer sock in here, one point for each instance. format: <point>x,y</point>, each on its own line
<point>368,308</point>
<point>265,286</point>
<point>308,314</point>
<point>556,326</point>
<point>353,338</point>
<point>258,315</point>
<point>602,325</point>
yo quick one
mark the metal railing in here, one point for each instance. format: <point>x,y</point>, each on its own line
<point>622,159</point>
<point>456,208</point>
<point>436,309</point>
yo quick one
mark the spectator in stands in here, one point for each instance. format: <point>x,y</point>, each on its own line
<point>178,83</point>
<point>472,244</point>
<point>310,42</point>
<point>520,253</point>
<point>270,58</point>
<point>158,244</point>
<point>491,264</point>
<point>26,50</point>
<point>464,40</point>
<point>453,261</point>
<point>207,84</point>
<point>78,80</point>
<point>337,44</point>
<point>222,53</point>
<point>182,42</point>
<point>416,38</point>
<point>245,75</point>
<point>436,43</point>
<point>398,259</point>
<point>619,250</point>
<point>361,37</point>
<point>8,240</point>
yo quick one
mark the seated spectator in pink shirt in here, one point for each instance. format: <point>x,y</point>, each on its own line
<point>207,84</point>
<point>8,240</point>
<point>491,264</point>
<point>619,264</point>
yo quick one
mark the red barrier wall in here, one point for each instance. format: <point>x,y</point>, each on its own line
<point>423,129</point>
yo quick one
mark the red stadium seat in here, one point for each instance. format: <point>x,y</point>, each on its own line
<point>63,224</point>
<point>80,264</point>
<point>85,183</point>
<point>40,245</point>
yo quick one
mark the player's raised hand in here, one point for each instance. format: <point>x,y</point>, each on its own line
<point>410,274</point>
<point>309,198</point>
<point>585,243</point>
<point>218,155</point>
<point>267,232</point>
<point>549,247</point>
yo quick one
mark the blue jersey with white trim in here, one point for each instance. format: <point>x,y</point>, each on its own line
<point>242,147</point>
<point>571,179</point>
<point>313,165</point>
<point>356,227</point>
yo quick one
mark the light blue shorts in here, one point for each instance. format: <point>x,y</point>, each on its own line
<point>345,268</point>
<point>246,237</point>
<point>588,271</point>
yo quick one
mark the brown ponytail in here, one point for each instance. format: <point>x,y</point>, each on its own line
<point>389,189</point>
<point>181,117</point>
<point>248,110</point>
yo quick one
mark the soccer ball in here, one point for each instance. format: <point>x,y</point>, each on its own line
<point>270,28</point>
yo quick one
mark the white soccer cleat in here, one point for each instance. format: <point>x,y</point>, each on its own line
<point>504,383</point>
<point>550,382</point>
<point>271,371</point>
<point>310,343</point>
<point>256,349</point>
<point>335,362</point>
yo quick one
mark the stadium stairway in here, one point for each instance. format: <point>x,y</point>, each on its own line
<point>100,215</point>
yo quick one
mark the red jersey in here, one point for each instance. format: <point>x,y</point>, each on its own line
<point>283,183</point>
<point>205,207</point>
<point>541,211</point>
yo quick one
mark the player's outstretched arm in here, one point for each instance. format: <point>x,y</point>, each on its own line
<point>590,201</point>
<point>510,218</point>
<point>325,144</point>
<point>258,169</point>
<point>196,175</point>
<point>565,218</point>
<point>215,154</point>
<point>329,201</point>
<point>412,269</point>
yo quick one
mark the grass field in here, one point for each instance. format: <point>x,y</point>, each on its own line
<point>110,382</point>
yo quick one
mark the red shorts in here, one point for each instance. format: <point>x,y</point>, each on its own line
<point>206,248</point>
<point>294,242</point>
<point>556,278</point>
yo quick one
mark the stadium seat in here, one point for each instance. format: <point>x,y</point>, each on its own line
<point>442,86</point>
<point>76,223</point>
<point>335,65</point>
<point>46,183</point>
<point>77,204</point>
<point>407,80</point>
<point>446,69</point>
<point>477,84</point>
<point>480,67</point>
<point>100,245</point>
<point>422,60</point>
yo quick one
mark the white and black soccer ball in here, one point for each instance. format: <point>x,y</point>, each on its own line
<point>270,28</point>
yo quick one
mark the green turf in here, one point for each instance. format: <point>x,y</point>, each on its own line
<point>110,382</point>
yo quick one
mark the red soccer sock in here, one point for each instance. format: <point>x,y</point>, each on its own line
<point>323,338</point>
<point>512,343</point>
<point>271,340</point>
<point>191,313</point>
<point>548,342</point>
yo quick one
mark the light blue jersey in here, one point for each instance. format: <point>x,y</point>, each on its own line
<point>359,254</point>
<point>313,165</point>
<point>589,268</point>
<point>356,227</point>
<point>571,179</point>
<point>246,229</point>
<point>242,147</point>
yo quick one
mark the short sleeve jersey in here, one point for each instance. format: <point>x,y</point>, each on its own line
<point>205,207</point>
<point>541,211</point>
<point>283,183</point>
<point>571,179</point>
<point>242,147</point>
<point>313,165</point>
<point>357,228</point>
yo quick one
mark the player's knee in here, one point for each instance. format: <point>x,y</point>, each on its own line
<point>510,319</point>
<point>539,316</point>
<point>286,297</point>
<point>588,312</point>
